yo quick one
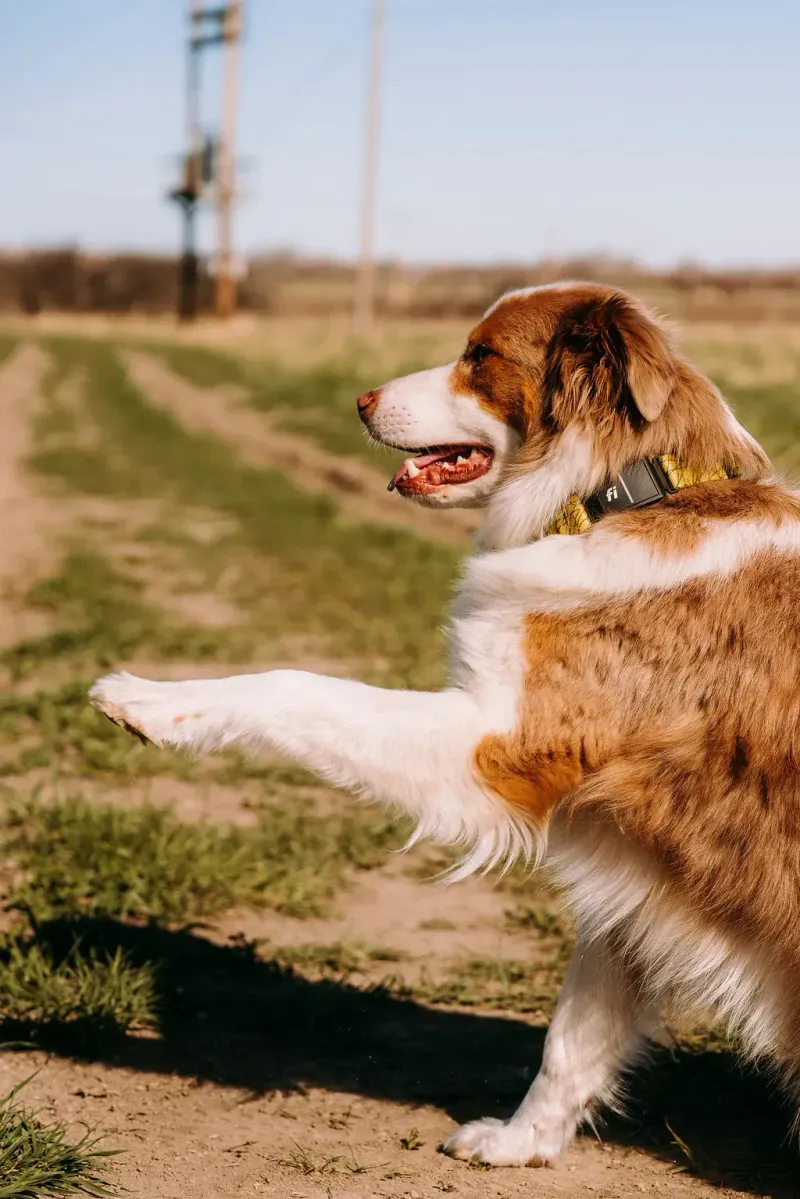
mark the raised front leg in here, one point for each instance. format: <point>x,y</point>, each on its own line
<point>412,749</point>
<point>599,1028</point>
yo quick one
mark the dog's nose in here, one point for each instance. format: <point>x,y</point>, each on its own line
<point>367,403</point>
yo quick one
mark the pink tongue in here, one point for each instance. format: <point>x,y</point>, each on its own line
<point>420,463</point>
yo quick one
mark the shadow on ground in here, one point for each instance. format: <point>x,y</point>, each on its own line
<point>229,1017</point>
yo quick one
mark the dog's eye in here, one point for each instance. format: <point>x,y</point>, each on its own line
<point>478,353</point>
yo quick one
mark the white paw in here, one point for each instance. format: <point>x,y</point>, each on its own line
<point>165,713</point>
<point>498,1143</point>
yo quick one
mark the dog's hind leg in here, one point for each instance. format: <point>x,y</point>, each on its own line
<point>412,749</point>
<point>600,1028</point>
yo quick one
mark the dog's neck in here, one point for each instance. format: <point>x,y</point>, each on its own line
<point>641,485</point>
<point>522,507</point>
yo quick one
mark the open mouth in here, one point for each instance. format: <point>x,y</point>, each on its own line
<point>440,466</point>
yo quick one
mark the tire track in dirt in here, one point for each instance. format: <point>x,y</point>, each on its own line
<point>37,517</point>
<point>27,516</point>
<point>21,377</point>
<point>360,491</point>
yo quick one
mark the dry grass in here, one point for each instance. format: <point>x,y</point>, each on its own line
<point>45,1159</point>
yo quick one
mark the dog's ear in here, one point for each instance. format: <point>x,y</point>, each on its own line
<point>609,358</point>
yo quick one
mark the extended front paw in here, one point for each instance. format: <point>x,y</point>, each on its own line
<point>498,1143</point>
<point>179,714</point>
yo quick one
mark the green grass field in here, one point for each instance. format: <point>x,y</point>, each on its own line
<point>124,870</point>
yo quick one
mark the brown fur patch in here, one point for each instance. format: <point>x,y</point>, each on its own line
<point>676,716</point>
<point>677,525</point>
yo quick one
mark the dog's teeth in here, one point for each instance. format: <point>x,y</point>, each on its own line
<point>460,458</point>
<point>412,470</point>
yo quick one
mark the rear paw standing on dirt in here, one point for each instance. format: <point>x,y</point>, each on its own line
<point>498,1143</point>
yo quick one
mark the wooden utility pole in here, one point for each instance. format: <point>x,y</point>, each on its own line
<point>209,162</point>
<point>226,181</point>
<point>187,194</point>
<point>364,306</point>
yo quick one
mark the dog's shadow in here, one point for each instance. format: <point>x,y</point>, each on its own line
<point>229,1017</point>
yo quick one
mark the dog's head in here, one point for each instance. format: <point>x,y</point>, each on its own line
<point>558,389</point>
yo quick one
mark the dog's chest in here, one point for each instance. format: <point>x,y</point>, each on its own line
<point>486,657</point>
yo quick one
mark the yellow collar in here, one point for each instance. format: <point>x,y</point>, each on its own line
<point>578,515</point>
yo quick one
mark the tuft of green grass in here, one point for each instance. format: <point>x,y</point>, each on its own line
<point>338,958</point>
<point>412,1140</point>
<point>307,1162</point>
<point>145,863</point>
<point>38,1159</point>
<point>106,994</point>
<point>494,983</point>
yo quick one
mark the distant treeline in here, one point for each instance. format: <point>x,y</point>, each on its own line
<point>69,280</point>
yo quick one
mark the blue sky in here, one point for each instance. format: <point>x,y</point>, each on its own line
<point>512,129</point>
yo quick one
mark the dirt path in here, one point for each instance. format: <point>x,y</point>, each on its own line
<point>24,512</point>
<point>37,518</point>
<point>360,491</point>
<point>188,1140</point>
<point>27,516</point>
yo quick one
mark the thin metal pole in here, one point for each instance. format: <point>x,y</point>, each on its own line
<point>364,306</point>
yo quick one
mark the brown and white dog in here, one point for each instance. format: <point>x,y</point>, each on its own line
<point>624,704</point>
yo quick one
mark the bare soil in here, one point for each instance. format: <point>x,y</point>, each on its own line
<point>188,1139</point>
<point>319,1100</point>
